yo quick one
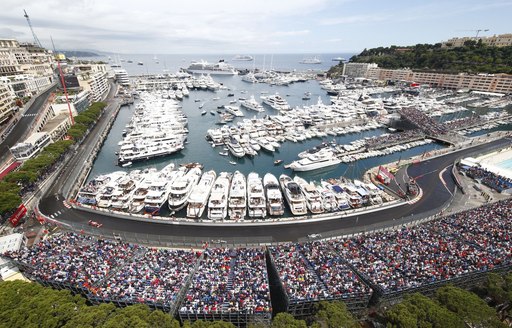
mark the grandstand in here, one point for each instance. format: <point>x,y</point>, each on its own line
<point>233,284</point>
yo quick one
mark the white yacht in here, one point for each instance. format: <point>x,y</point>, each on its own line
<point>256,196</point>
<point>235,148</point>
<point>104,195</point>
<point>293,195</point>
<point>158,191</point>
<point>182,187</point>
<point>342,198</point>
<point>203,67</point>
<point>265,144</point>
<point>234,110</point>
<point>250,78</point>
<point>139,194</point>
<point>237,197</point>
<point>252,104</point>
<point>218,202</point>
<point>121,198</point>
<point>199,195</point>
<point>276,101</point>
<point>275,205</point>
<point>312,195</point>
<point>329,201</point>
<point>321,159</point>
<point>88,194</point>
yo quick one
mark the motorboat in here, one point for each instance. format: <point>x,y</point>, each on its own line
<point>256,196</point>
<point>237,201</point>
<point>293,195</point>
<point>198,197</point>
<point>275,204</point>
<point>312,195</point>
<point>218,201</point>
<point>181,189</point>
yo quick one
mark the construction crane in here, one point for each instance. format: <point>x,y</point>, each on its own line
<point>36,40</point>
<point>480,30</point>
<point>477,31</point>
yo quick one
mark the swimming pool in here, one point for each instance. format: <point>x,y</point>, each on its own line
<point>506,164</point>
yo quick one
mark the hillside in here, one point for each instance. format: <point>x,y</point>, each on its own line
<point>472,58</point>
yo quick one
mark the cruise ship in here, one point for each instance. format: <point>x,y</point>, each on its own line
<point>256,196</point>
<point>293,195</point>
<point>276,101</point>
<point>311,60</point>
<point>237,201</point>
<point>252,104</point>
<point>312,195</point>
<point>203,67</point>
<point>199,195</point>
<point>243,58</point>
<point>181,189</point>
<point>218,202</point>
<point>318,160</point>
<point>275,205</point>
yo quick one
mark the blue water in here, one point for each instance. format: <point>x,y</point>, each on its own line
<point>506,164</point>
<point>198,150</point>
<point>172,63</point>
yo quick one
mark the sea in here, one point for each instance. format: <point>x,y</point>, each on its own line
<point>199,150</point>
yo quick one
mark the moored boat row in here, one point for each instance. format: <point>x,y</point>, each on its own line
<point>227,195</point>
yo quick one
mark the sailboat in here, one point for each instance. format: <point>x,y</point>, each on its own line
<point>155,58</point>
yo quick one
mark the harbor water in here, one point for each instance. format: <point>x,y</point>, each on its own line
<point>199,150</point>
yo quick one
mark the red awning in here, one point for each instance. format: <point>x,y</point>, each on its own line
<point>9,169</point>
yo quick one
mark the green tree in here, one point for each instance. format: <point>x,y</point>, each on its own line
<point>286,320</point>
<point>468,306</point>
<point>91,316</point>
<point>9,201</point>
<point>207,324</point>
<point>335,314</point>
<point>417,310</point>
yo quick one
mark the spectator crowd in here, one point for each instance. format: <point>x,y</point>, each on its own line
<point>224,280</point>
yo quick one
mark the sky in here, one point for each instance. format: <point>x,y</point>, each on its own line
<point>249,27</point>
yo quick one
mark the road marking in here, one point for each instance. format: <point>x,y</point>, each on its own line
<point>444,182</point>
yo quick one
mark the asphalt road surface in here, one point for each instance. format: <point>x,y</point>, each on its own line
<point>433,176</point>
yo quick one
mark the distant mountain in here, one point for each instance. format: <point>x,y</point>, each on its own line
<point>473,58</point>
<point>78,53</point>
